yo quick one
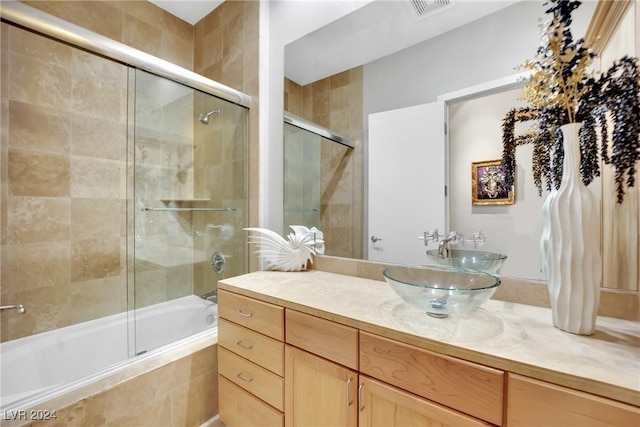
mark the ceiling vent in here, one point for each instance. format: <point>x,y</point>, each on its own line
<point>424,7</point>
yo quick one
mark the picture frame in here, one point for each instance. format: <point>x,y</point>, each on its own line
<point>486,184</point>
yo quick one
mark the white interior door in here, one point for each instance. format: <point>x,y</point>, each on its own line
<point>406,181</point>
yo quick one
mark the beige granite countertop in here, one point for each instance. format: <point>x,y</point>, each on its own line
<point>513,337</point>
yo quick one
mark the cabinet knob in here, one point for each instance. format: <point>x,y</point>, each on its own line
<point>360,399</point>
<point>349,399</point>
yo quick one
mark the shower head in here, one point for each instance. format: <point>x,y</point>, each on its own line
<point>204,118</point>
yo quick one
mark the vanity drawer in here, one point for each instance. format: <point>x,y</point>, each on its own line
<point>535,403</point>
<point>268,319</point>
<point>251,377</point>
<point>324,338</point>
<point>257,348</point>
<point>239,408</point>
<point>473,389</point>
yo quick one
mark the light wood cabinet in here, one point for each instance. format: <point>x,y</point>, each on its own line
<point>533,403</point>
<point>262,317</point>
<point>258,381</point>
<point>318,392</point>
<point>252,346</point>
<point>325,338</point>
<point>383,405</point>
<point>250,361</point>
<point>240,408</point>
<point>467,387</point>
<point>317,372</point>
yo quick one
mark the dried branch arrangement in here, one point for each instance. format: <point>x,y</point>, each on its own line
<point>561,90</point>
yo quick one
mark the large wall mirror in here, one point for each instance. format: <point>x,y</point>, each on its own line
<point>336,79</point>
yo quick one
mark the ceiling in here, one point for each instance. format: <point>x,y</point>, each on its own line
<point>190,11</point>
<point>377,29</point>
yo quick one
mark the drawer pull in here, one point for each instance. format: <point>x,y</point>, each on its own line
<point>240,313</point>
<point>246,380</point>
<point>349,399</point>
<point>246,347</point>
<point>360,399</point>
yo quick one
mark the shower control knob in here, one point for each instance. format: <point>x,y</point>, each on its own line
<point>218,263</point>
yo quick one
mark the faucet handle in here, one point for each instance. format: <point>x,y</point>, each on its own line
<point>456,238</point>
<point>478,238</point>
<point>431,235</point>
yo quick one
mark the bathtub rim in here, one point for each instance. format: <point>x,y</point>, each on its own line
<point>60,397</point>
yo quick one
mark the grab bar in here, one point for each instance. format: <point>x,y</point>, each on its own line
<point>187,209</point>
<point>18,307</point>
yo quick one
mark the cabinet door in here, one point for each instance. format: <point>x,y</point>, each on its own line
<point>318,392</point>
<point>383,405</point>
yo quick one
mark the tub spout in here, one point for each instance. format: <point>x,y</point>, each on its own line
<point>18,307</point>
<point>211,296</point>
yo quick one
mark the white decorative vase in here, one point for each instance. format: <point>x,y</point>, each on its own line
<point>545,235</point>
<point>572,262</point>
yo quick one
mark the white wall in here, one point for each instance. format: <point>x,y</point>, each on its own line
<point>515,229</point>
<point>484,50</point>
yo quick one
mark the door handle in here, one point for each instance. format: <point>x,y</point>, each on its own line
<point>375,239</point>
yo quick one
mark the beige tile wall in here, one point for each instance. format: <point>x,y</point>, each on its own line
<point>226,50</point>
<point>336,103</point>
<point>220,180</point>
<point>64,148</point>
<point>139,24</point>
<point>63,183</point>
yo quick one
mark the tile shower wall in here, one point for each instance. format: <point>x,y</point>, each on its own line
<point>336,103</point>
<point>226,50</point>
<point>63,183</point>
<point>142,25</point>
<point>136,23</point>
<point>220,181</point>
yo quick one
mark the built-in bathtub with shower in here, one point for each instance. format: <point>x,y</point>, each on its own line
<point>124,198</point>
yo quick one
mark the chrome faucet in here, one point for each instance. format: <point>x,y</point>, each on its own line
<point>18,307</point>
<point>443,246</point>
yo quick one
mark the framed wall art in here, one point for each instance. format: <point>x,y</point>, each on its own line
<point>487,184</point>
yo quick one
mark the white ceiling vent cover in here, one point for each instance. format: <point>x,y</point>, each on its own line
<point>424,7</point>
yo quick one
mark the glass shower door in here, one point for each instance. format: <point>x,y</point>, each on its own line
<point>189,205</point>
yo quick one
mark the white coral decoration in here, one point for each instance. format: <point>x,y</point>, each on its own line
<point>291,255</point>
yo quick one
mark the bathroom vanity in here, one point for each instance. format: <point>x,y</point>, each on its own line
<point>326,349</point>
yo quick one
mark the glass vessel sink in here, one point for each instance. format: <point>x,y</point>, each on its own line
<point>441,290</point>
<point>488,262</point>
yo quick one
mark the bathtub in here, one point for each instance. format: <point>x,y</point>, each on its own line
<point>44,366</point>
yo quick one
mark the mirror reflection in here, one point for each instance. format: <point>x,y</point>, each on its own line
<point>483,49</point>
